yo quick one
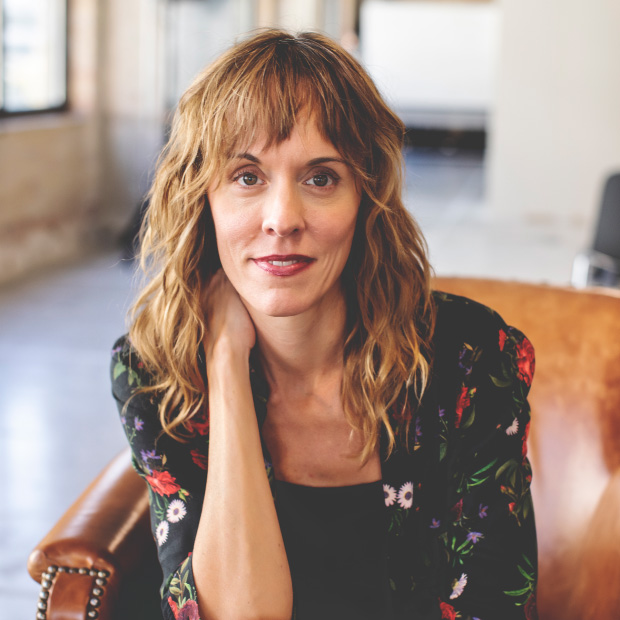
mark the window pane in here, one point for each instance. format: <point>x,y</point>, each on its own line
<point>34,54</point>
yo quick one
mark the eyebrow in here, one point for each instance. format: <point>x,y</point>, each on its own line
<point>313,162</point>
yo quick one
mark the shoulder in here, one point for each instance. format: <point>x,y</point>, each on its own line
<point>127,371</point>
<point>471,329</point>
<point>461,317</point>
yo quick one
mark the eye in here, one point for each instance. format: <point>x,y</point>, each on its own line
<point>247,179</point>
<point>322,179</point>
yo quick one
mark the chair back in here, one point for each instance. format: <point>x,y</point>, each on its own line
<point>574,443</point>
<point>607,236</point>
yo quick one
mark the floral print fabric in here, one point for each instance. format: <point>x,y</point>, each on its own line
<point>461,535</point>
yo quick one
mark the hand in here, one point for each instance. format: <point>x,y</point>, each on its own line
<point>228,321</point>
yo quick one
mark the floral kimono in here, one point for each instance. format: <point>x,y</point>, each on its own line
<point>461,534</point>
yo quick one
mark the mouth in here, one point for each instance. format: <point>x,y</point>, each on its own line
<point>284,264</point>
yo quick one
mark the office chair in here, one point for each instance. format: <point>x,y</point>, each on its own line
<point>600,265</point>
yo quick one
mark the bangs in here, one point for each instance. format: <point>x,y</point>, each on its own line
<point>263,92</point>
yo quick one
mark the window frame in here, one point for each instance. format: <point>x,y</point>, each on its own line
<point>63,107</point>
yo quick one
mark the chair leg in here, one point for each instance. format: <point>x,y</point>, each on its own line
<point>580,275</point>
<point>593,268</point>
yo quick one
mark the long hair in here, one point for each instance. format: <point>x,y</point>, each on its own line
<point>260,87</point>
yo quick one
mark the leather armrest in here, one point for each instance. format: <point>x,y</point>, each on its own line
<point>102,539</point>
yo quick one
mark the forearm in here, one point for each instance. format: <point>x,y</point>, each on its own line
<point>240,564</point>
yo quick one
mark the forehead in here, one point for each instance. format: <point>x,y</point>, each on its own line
<point>305,138</point>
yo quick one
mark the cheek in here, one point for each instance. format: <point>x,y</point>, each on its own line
<point>231,231</point>
<point>340,233</point>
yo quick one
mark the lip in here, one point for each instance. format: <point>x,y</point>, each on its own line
<point>299,263</point>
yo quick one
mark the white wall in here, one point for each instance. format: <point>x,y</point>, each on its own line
<point>556,128</point>
<point>433,56</point>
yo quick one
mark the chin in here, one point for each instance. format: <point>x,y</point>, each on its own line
<point>282,310</point>
<point>279,305</point>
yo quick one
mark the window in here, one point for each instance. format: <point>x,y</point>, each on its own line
<point>33,56</point>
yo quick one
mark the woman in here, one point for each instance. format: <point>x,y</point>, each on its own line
<point>364,437</point>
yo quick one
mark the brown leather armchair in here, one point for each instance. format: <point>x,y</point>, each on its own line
<point>99,560</point>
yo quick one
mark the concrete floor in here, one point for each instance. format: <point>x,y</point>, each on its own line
<point>58,423</point>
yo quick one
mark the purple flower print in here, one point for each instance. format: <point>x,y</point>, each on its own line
<point>474,536</point>
<point>435,523</point>
<point>482,511</point>
<point>145,455</point>
<point>465,362</point>
<point>418,429</point>
<point>138,423</point>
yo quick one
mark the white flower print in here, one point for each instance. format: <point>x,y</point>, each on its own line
<point>176,511</point>
<point>389,494</point>
<point>161,533</point>
<point>513,428</point>
<point>459,586</point>
<point>405,495</point>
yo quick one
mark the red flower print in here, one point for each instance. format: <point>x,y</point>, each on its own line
<point>189,611</point>
<point>525,436</point>
<point>447,611</point>
<point>531,612</point>
<point>457,510</point>
<point>199,459</point>
<point>502,339</point>
<point>199,424</point>
<point>511,506</point>
<point>173,606</point>
<point>163,483</point>
<point>525,361</point>
<point>462,403</point>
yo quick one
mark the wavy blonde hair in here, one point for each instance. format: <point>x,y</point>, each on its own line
<point>260,86</point>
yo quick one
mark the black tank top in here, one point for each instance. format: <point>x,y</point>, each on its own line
<point>336,542</point>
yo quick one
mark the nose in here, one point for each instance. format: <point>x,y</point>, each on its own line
<point>283,212</point>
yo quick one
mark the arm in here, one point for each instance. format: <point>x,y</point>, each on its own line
<point>240,564</point>
<point>490,538</point>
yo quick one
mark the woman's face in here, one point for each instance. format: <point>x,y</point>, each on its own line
<point>284,222</point>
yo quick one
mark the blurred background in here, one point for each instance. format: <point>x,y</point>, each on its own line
<point>513,126</point>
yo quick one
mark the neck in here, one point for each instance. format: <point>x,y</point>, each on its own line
<point>302,349</point>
